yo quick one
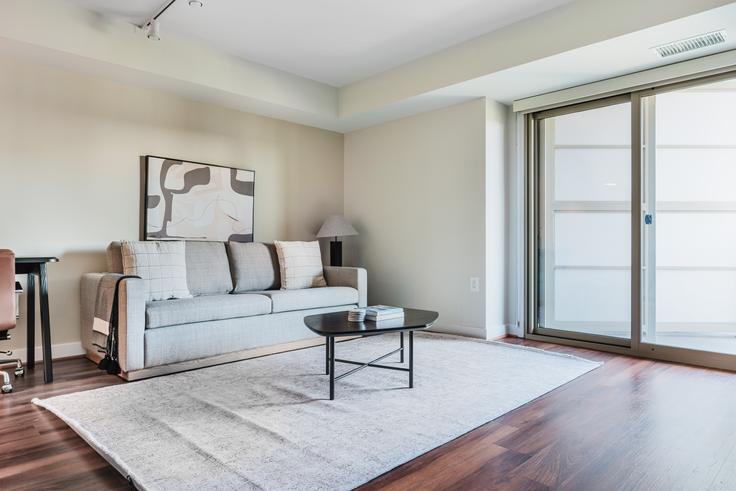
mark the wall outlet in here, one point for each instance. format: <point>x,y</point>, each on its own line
<point>474,284</point>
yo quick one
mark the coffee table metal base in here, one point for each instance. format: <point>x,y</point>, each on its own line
<point>330,361</point>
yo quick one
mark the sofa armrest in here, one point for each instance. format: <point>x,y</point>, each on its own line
<point>131,318</point>
<point>353,277</point>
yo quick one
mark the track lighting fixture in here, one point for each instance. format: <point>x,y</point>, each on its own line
<point>152,30</point>
<point>152,26</point>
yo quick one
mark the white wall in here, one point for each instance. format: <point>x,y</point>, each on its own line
<point>416,190</point>
<point>69,169</point>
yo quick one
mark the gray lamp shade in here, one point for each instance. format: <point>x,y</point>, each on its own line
<point>336,226</point>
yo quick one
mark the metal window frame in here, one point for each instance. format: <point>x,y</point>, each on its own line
<point>539,169</point>
<point>533,134</point>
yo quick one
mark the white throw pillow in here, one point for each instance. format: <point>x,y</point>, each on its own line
<point>161,265</point>
<point>300,264</point>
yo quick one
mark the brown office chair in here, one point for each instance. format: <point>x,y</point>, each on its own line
<point>7,313</point>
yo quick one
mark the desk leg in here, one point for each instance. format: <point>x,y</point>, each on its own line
<point>31,321</point>
<point>48,375</point>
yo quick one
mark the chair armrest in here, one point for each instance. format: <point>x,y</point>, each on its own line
<point>131,318</point>
<point>353,277</point>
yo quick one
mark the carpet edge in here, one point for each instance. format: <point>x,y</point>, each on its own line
<point>514,346</point>
<point>101,449</point>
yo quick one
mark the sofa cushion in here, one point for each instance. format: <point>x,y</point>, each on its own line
<point>205,308</point>
<point>161,265</point>
<point>311,298</point>
<point>208,270</point>
<point>254,266</point>
<point>301,264</point>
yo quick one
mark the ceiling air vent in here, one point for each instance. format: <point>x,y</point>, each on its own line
<point>690,44</point>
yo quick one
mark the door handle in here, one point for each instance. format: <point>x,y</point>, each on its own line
<point>648,219</point>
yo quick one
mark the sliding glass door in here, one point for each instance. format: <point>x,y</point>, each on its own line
<point>632,222</point>
<point>690,222</point>
<point>584,253</point>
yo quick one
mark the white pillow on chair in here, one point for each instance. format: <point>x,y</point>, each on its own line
<point>161,265</point>
<point>300,264</point>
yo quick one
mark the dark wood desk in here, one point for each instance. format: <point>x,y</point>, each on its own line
<point>32,267</point>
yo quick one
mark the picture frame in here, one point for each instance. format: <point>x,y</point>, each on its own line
<point>189,200</point>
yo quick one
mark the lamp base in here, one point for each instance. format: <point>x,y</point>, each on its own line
<point>335,253</point>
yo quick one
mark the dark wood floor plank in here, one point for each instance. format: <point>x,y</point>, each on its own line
<point>630,424</point>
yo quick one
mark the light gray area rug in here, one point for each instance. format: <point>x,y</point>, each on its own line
<point>267,423</point>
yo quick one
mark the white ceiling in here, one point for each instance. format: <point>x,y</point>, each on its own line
<point>332,41</point>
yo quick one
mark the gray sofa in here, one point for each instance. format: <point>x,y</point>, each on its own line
<point>237,310</point>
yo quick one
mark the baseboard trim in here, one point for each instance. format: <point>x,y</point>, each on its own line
<point>471,332</point>
<point>496,332</point>
<point>62,350</point>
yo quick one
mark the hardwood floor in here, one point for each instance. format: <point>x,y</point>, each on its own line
<point>631,424</point>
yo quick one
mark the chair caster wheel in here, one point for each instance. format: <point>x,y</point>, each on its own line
<point>19,372</point>
<point>6,389</point>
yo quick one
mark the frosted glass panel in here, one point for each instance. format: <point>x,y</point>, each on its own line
<point>694,297</point>
<point>592,174</point>
<point>603,126</point>
<point>592,239</point>
<point>692,239</point>
<point>696,174</point>
<point>586,223</point>
<point>699,239</point>
<point>695,117</point>
<point>592,296</point>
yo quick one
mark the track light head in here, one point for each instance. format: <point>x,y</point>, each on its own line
<point>153,27</point>
<point>153,30</point>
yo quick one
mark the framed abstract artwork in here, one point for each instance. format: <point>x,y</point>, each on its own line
<point>196,201</point>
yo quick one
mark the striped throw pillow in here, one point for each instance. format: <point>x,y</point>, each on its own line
<point>300,264</point>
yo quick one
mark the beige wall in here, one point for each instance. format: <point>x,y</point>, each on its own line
<point>69,169</point>
<point>415,189</point>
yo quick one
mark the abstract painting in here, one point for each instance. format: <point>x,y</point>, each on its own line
<point>195,201</point>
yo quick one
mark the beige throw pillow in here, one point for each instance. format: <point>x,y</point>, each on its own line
<point>300,264</point>
<point>161,265</point>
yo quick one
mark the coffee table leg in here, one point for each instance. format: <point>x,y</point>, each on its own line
<point>332,367</point>
<point>327,355</point>
<point>411,359</point>
<point>402,347</point>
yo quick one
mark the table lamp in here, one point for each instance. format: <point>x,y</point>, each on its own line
<point>336,226</point>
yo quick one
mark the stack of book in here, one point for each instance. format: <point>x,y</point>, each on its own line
<point>356,315</point>
<point>379,313</point>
